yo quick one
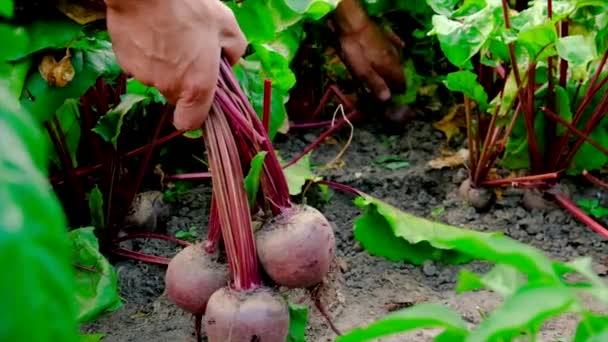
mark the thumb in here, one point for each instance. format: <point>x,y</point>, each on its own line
<point>192,110</point>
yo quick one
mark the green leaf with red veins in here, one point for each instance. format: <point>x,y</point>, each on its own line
<point>96,279</point>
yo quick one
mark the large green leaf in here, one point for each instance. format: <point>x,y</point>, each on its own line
<point>68,116</point>
<point>466,83</point>
<point>14,40</point>
<point>109,126</point>
<point>539,41</point>
<point>523,312</point>
<point>96,280</point>
<point>588,157</point>
<point>502,279</point>
<point>93,59</point>
<point>36,293</point>
<point>251,77</point>
<point>54,32</point>
<point>577,49</point>
<point>425,315</point>
<point>461,39</point>
<point>386,231</point>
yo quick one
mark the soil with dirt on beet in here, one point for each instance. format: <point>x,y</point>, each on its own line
<point>362,288</point>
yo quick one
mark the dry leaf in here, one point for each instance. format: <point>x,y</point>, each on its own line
<point>450,160</point>
<point>498,193</point>
<point>451,124</point>
<point>80,14</point>
<point>57,73</point>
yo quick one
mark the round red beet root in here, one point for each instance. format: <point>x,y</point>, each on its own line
<point>256,315</point>
<point>296,247</point>
<point>192,277</point>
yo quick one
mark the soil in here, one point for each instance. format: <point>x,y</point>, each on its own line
<point>362,287</point>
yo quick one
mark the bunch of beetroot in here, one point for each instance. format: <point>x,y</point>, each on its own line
<point>294,247</point>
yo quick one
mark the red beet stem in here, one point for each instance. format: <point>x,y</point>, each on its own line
<point>266,107</point>
<point>273,180</point>
<point>232,206</point>
<point>214,232</point>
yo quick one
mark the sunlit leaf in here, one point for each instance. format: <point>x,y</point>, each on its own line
<point>524,311</point>
<point>502,279</point>
<point>577,49</point>
<point>461,40</point>
<point>297,175</point>
<point>425,315</point>
<point>539,41</point>
<point>96,279</point>
<point>386,231</point>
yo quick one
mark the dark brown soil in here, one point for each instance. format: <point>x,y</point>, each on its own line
<point>363,288</point>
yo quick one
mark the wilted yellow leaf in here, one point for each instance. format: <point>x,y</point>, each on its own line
<point>450,160</point>
<point>451,124</point>
<point>80,14</point>
<point>57,73</point>
<point>498,193</point>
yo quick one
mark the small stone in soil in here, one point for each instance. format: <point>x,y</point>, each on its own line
<point>428,268</point>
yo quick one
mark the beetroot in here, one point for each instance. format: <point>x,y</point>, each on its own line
<point>479,198</point>
<point>191,278</point>
<point>296,247</point>
<point>256,315</point>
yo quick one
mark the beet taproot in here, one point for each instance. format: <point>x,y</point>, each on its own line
<point>254,315</point>
<point>296,247</point>
<point>192,276</point>
<point>479,198</point>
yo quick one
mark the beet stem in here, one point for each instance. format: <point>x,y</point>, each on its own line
<point>575,211</point>
<point>233,208</point>
<point>518,180</point>
<point>266,107</point>
<point>127,253</point>
<point>595,180</point>
<point>151,236</point>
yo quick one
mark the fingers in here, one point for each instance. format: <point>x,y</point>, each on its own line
<point>192,107</point>
<point>234,42</point>
<point>362,69</point>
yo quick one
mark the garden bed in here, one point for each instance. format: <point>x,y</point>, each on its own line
<point>362,287</point>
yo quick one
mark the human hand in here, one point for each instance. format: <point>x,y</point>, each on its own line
<point>176,46</point>
<point>371,54</point>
